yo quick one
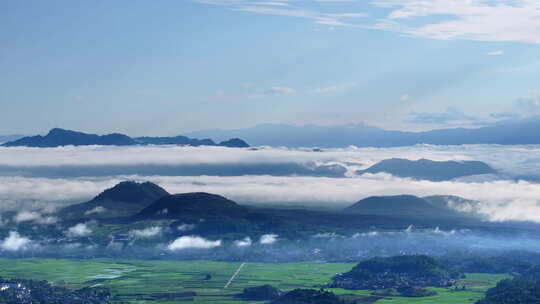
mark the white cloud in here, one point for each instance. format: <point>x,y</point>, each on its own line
<point>25,216</point>
<point>96,210</point>
<point>79,230</point>
<point>33,216</point>
<point>146,233</point>
<point>268,239</point>
<point>495,53</point>
<point>244,242</point>
<point>15,242</point>
<point>193,242</point>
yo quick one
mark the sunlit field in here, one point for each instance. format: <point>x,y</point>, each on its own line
<point>139,281</point>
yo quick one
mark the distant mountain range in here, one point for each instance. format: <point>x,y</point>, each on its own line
<point>504,133</point>
<point>61,137</point>
<point>516,132</point>
<point>425,169</point>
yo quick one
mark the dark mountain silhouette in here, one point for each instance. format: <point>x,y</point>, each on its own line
<point>183,140</point>
<point>428,169</point>
<point>214,215</point>
<point>234,143</point>
<point>399,206</point>
<point>192,205</point>
<point>503,133</point>
<point>60,137</point>
<point>124,199</point>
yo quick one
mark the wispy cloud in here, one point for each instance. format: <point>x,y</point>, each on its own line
<point>275,91</point>
<point>280,90</point>
<point>479,20</point>
<point>290,9</point>
<point>334,88</point>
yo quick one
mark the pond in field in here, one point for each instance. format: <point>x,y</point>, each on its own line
<point>111,273</point>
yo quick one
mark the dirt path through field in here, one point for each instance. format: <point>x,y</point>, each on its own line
<point>234,275</point>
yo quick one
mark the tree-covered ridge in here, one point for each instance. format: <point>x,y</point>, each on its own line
<point>514,291</point>
<point>261,293</point>
<point>397,272</point>
<point>308,296</point>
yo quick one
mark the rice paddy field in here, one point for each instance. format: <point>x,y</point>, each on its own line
<point>148,281</point>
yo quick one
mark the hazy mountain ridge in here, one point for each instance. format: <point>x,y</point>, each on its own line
<point>502,133</point>
<point>404,206</point>
<point>428,169</point>
<point>10,137</point>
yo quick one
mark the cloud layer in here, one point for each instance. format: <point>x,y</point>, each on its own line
<point>503,197</point>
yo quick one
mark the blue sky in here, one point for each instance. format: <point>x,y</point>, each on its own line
<point>168,67</point>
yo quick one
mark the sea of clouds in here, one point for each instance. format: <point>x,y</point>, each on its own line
<point>31,179</point>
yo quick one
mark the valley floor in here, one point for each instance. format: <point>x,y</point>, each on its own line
<point>146,281</point>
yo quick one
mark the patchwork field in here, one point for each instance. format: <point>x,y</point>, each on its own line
<point>143,281</point>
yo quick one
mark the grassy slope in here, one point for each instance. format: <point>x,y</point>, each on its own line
<point>135,280</point>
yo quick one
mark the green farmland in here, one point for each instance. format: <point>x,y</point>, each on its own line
<point>143,281</point>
